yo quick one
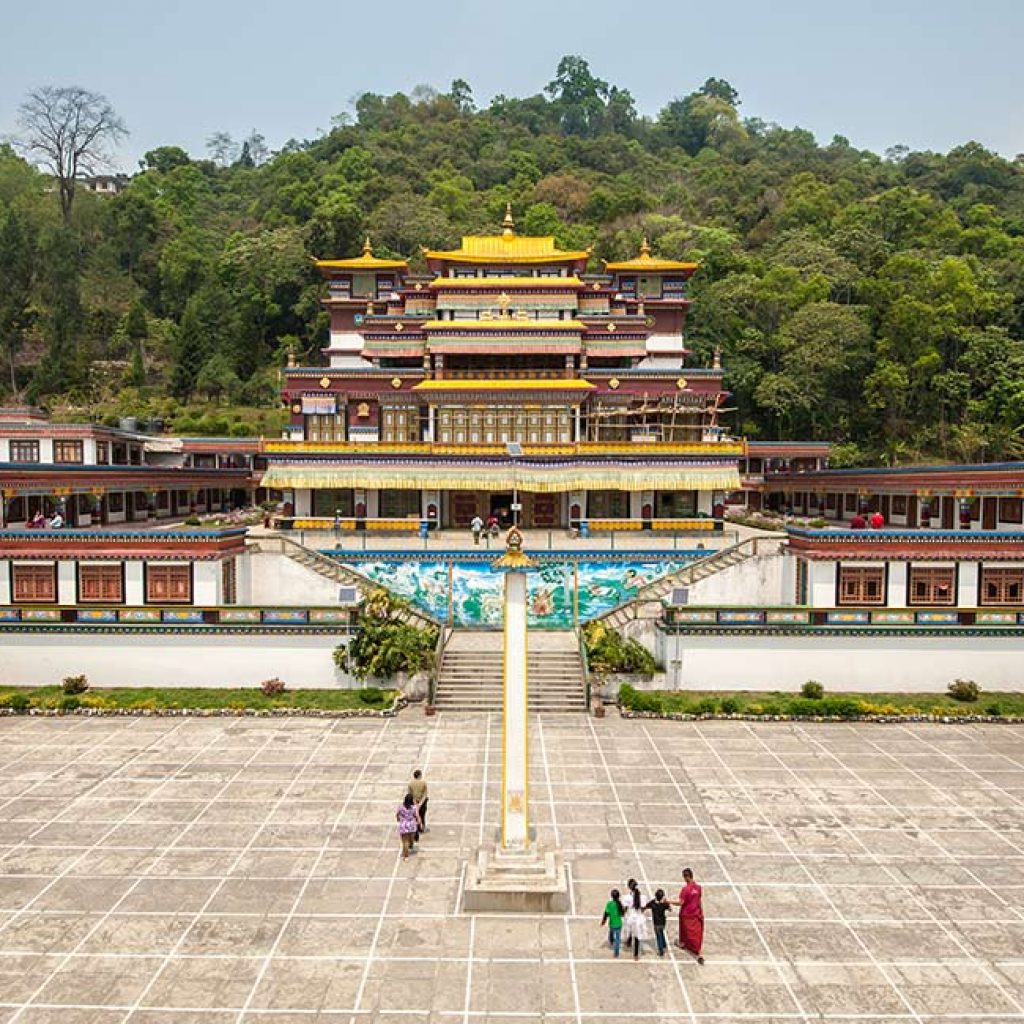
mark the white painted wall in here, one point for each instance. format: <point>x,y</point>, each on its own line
<point>758,580</point>
<point>896,593</point>
<point>67,588</point>
<point>206,583</point>
<point>134,583</point>
<point>821,584</point>
<point>39,659</point>
<point>865,664</point>
<point>276,580</point>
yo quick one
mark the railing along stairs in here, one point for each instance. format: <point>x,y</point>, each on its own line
<point>689,575</point>
<point>342,574</point>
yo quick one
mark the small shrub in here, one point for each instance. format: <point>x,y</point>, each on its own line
<point>192,521</point>
<point>19,703</point>
<point>272,687</point>
<point>994,708</point>
<point>965,690</point>
<point>730,706</point>
<point>68,703</point>
<point>706,706</point>
<point>371,695</point>
<point>812,690</point>
<point>74,684</point>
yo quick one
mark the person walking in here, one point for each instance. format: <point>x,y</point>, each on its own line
<point>613,911</point>
<point>476,526</point>
<point>659,907</point>
<point>408,824</point>
<point>418,790</point>
<point>691,916</point>
<point>634,924</point>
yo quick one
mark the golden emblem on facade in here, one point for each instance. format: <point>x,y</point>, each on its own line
<point>325,382</point>
<point>399,327</point>
<point>611,328</point>
<point>396,382</point>
<point>681,383</point>
<point>613,383</point>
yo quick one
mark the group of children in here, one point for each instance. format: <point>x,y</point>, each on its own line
<point>626,921</point>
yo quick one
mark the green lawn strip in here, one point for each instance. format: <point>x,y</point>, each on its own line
<point>201,698</point>
<point>749,702</point>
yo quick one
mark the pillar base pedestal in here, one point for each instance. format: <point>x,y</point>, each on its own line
<point>516,881</point>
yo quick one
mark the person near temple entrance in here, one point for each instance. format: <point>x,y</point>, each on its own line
<point>691,916</point>
<point>858,522</point>
<point>418,789</point>
<point>877,520</point>
<point>476,526</point>
<point>493,526</point>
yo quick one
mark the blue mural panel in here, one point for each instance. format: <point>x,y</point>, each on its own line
<point>476,590</point>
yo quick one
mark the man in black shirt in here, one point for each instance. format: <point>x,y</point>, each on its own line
<point>659,908</point>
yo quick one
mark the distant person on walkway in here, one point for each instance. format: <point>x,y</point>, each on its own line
<point>659,907</point>
<point>613,911</point>
<point>37,522</point>
<point>858,522</point>
<point>493,526</point>
<point>408,824</point>
<point>476,526</point>
<point>57,522</point>
<point>634,924</point>
<point>691,916</point>
<point>877,520</point>
<point>418,792</point>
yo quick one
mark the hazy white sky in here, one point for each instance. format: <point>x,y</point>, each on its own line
<point>930,75</point>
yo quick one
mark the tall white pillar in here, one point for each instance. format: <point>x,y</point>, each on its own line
<point>514,748</point>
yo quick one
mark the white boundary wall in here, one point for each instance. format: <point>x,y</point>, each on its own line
<point>234,659</point>
<point>866,664</point>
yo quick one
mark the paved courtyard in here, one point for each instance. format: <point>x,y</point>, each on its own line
<point>177,871</point>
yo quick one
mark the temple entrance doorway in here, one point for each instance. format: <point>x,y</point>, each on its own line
<point>501,508</point>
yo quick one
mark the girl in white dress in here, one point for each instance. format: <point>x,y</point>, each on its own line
<point>634,924</point>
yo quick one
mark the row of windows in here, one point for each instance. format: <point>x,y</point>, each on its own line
<point>103,583</point>
<point>67,452</point>
<point>929,586</point>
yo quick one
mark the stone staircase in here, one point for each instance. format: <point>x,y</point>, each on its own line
<point>343,575</point>
<point>647,602</point>
<point>469,678</point>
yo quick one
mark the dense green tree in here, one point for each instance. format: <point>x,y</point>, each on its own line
<point>17,265</point>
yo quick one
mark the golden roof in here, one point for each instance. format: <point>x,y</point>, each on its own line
<point>646,262</point>
<point>527,283</point>
<point>507,247</point>
<point>365,262</point>
<point>502,324</point>
<point>543,384</point>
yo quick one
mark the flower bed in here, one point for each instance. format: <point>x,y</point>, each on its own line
<point>838,707</point>
<point>204,703</point>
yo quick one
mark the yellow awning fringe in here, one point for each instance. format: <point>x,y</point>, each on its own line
<point>541,480</point>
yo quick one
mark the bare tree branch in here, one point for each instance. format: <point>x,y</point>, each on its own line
<point>67,130</point>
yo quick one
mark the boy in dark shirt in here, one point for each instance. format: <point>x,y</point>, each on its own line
<point>659,908</point>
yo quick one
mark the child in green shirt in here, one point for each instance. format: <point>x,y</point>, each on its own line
<point>613,911</point>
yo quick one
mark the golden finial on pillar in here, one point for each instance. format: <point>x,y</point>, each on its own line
<point>645,247</point>
<point>508,225</point>
<point>716,358</point>
<point>367,247</point>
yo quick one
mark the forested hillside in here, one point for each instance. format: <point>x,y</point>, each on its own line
<point>877,301</point>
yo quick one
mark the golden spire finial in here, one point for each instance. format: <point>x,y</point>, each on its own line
<point>645,247</point>
<point>508,225</point>
<point>503,304</point>
<point>367,248</point>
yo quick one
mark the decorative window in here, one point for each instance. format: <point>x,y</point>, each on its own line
<point>851,503</point>
<point>1010,510</point>
<point>229,581</point>
<point>931,585</point>
<point>102,453</point>
<point>830,502</point>
<point>115,501</point>
<point>100,584</point>
<point>325,427</point>
<point>1001,585</point>
<point>168,584</point>
<point>801,581</point>
<point>34,584</point>
<point>899,505</point>
<point>24,451</point>
<point>861,585</point>
<point>67,451</point>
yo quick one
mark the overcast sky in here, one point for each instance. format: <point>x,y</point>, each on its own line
<point>929,75</point>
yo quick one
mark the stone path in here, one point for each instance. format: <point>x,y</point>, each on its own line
<point>163,871</point>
